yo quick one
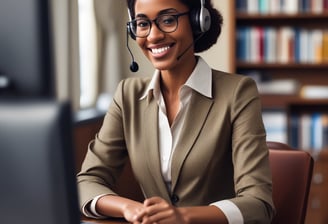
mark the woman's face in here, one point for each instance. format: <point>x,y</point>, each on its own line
<point>164,49</point>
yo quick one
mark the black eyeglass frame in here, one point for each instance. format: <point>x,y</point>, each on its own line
<point>150,22</point>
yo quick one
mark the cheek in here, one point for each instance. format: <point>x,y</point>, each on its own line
<point>140,42</point>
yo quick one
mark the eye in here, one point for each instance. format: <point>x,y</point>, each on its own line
<point>141,23</point>
<point>167,20</point>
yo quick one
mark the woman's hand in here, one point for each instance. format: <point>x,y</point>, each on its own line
<point>134,212</point>
<point>159,211</point>
<point>116,206</point>
<point>156,210</point>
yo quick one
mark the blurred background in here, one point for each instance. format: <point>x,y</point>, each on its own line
<point>76,50</point>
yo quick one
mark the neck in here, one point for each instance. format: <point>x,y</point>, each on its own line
<point>173,79</point>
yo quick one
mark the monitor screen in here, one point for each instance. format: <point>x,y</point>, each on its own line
<point>25,49</point>
<point>38,183</point>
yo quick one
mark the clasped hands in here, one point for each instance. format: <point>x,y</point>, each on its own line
<point>154,210</point>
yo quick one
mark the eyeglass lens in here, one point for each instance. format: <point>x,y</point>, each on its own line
<point>166,23</point>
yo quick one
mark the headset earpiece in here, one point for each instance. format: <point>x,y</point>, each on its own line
<point>200,19</point>
<point>128,27</point>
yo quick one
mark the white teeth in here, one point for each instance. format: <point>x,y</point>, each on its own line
<point>160,50</point>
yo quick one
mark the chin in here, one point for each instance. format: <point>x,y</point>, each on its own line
<point>164,65</point>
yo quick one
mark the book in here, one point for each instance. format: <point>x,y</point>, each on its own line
<point>317,45</point>
<point>325,131</point>
<point>314,92</point>
<point>305,131</point>
<point>291,6</point>
<point>316,132</point>
<point>252,6</point>
<point>279,86</point>
<point>293,133</point>
<point>270,45</point>
<point>325,46</point>
<point>275,123</point>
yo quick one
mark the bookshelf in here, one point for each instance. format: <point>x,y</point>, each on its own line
<point>308,124</point>
<point>287,42</point>
<point>276,41</point>
<point>287,46</point>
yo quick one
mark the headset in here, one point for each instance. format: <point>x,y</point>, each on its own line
<point>200,20</point>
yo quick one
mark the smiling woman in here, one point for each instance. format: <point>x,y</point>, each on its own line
<point>110,54</point>
<point>151,122</point>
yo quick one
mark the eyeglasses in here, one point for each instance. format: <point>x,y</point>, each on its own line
<point>166,23</point>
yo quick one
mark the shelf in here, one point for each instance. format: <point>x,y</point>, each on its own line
<point>281,101</point>
<point>281,16</point>
<point>309,102</point>
<point>247,65</point>
<point>277,101</point>
<point>277,20</point>
<point>302,105</point>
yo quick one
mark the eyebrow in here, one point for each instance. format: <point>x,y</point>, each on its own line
<point>164,11</point>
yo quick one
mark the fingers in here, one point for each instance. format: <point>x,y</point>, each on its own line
<point>153,200</point>
<point>157,210</point>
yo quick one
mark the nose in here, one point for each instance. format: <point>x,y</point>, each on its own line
<point>155,33</point>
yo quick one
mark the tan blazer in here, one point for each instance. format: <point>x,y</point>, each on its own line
<point>222,153</point>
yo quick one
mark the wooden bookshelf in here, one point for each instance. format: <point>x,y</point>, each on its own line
<point>305,73</point>
<point>313,109</point>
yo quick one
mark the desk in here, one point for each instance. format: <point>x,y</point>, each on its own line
<point>107,221</point>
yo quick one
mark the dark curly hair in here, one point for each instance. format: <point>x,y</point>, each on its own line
<point>209,38</point>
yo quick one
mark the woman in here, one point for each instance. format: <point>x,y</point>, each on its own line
<point>194,136</point>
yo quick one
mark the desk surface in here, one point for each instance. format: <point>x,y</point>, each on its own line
<point>107,221</point>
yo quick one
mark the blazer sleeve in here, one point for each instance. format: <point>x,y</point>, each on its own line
<point>252,175</point>
<point>106,156</point>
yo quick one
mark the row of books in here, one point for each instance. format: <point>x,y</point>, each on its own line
<point>314,92</point>
<point>281,6</point>
<point>309,131</point>
<point>281,44</point>
<point>275,123</point>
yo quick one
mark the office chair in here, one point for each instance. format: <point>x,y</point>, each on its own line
<point>291,175</point>
<point>278,145</point>
<point>291,178</point>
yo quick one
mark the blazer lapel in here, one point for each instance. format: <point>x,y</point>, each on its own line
<point>195,118</point>
<point>151,144</point>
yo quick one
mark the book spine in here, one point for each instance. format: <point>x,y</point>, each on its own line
<point>294,131</point>
<point>325,46</point>
<point>325,131</point>
<point>316,132</point>
<point>252,6</point>
<point>305,131</point>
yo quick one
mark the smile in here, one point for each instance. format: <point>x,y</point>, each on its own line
<point>160,50</point>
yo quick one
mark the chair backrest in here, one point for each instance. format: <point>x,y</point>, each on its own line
<point>278,145</point>
<point>291,178</point>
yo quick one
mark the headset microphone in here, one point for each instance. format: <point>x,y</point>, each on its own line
<point>190,45</point>
<point>185,51</point>
<point>134,67</point>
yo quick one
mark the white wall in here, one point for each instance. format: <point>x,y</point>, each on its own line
<point>219,56</point>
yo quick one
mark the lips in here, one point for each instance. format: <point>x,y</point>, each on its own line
<point>160,50</point>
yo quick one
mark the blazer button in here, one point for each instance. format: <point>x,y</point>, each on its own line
<point>174,199</point>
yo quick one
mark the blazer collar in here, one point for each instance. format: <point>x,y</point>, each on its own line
<point>151,144</point>
<point>198,111</point>
<point>199,108</point>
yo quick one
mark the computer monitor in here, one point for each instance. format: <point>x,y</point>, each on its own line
<point>26,59</point>
<point>38,183</point>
